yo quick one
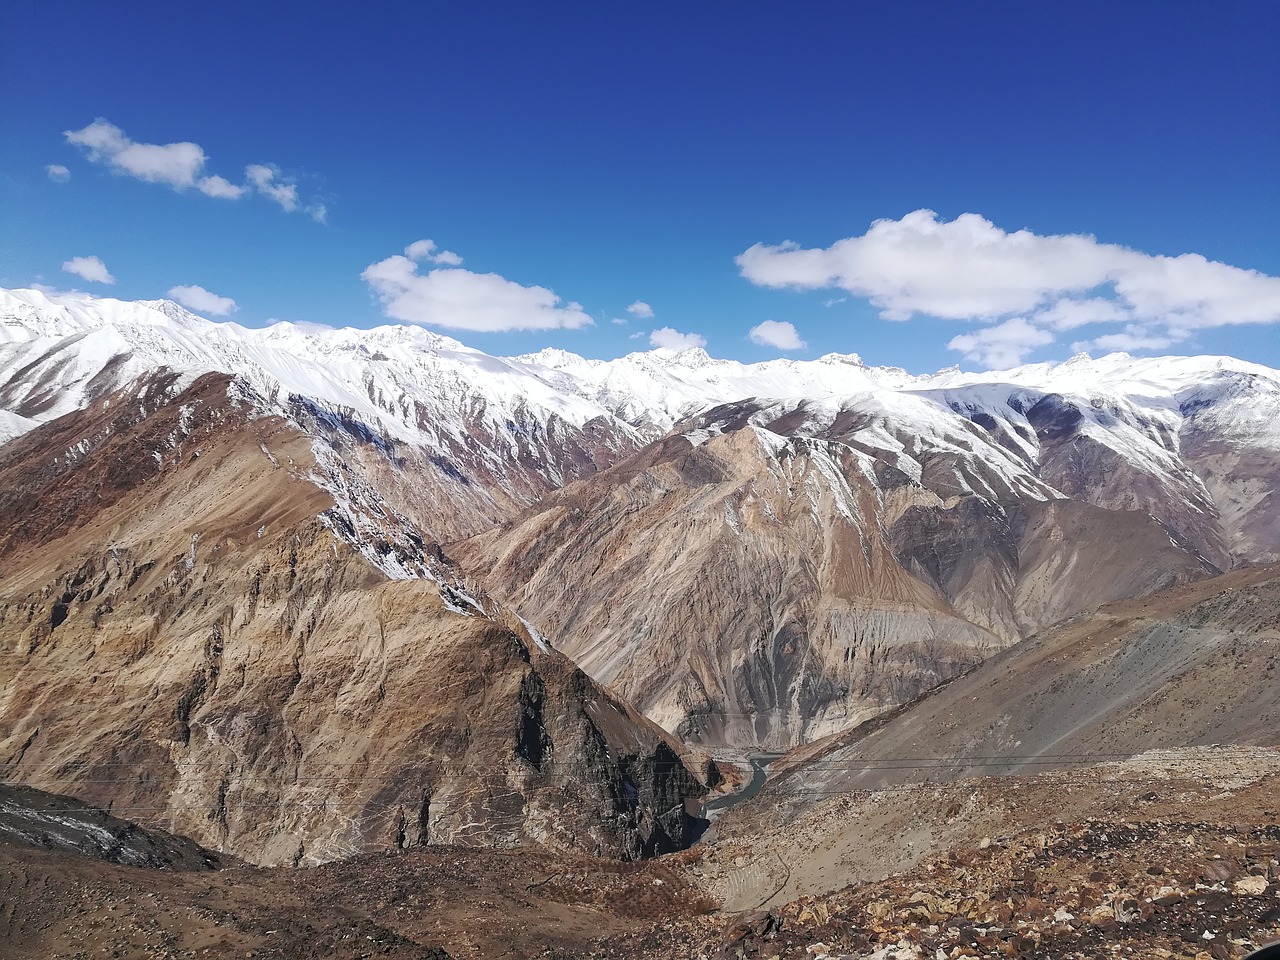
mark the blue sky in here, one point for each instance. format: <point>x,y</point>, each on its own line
<point>605,154</point>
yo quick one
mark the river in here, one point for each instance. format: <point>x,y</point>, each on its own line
<point>759,773</point>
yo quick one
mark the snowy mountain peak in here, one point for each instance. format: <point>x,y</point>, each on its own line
<point>412,383</point>
<point>851,359</point>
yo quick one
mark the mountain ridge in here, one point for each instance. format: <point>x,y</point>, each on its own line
<point>887,530</point>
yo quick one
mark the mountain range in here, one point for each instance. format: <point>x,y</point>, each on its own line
<point>398,591</point>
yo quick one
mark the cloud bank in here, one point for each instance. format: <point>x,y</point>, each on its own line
<point>970,269</point>
<point>462,300</point>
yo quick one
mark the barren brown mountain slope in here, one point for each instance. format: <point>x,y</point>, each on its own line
<point>189,639</point>
<point>760,590</point>
<point>1197,664</point>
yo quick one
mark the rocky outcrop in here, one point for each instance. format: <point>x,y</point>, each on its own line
<point>201,635</point>
<point>47,821</point>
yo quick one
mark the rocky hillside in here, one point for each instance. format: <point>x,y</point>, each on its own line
<point>1171,855</point>
<point>745,585</point>
<point>1192,666</point>
<point>211,625</point>
<point>48,821</point>
<point>756,554</point>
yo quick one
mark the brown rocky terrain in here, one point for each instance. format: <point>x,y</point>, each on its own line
<point>1193,665</point>
<point>191,640</point>
<point>1172,855</point>
<point>758,591</point>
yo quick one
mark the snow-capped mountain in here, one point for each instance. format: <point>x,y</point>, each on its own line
<point>507,430</point>
<point>473,437</point>
<point>756,553</point>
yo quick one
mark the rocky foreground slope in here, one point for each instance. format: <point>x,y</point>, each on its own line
<point>1173,855</point>
<point>209,623</point>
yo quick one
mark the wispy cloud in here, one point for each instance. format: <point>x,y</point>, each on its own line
<point>178,165</point>
<point>90,268</point>
<point>182,166</point>
<point>462,300</point>
<point>57,173</point>
<point>426,250</point>
<point>1003,345</point>
<point>641,309</point>
<point>198,298</point>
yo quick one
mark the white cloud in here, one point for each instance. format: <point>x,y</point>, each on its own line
<point>182,166</point>
<point>970,269</point>
<point>58,173</point>
<point>1003,345</point>
<point>220,188</point>
<point>463,300</point>
<point>264,179</point>
<point>198,298</point>
<point>777,333</point>
<point>831,302</point>
<point>619,321</point>
<point>641,309</point>
<point>175,164</point>
<point>1070,314</point>
<point>426,250</point>
<point>90,268</point>
<point>1134,337</point>
<point>670,339</point>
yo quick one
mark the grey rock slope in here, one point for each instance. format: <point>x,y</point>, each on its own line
<point>1195,665</point>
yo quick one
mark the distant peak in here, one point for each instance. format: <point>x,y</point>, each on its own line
<point>555,358</point>
<point>687,357</point>
<point>851,359</point>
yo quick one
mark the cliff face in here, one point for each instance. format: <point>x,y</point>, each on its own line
<point>192,641</point>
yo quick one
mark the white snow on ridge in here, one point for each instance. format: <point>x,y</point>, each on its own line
<point>59,351</point>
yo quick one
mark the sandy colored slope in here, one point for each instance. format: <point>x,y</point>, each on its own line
<point>187,642</point>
